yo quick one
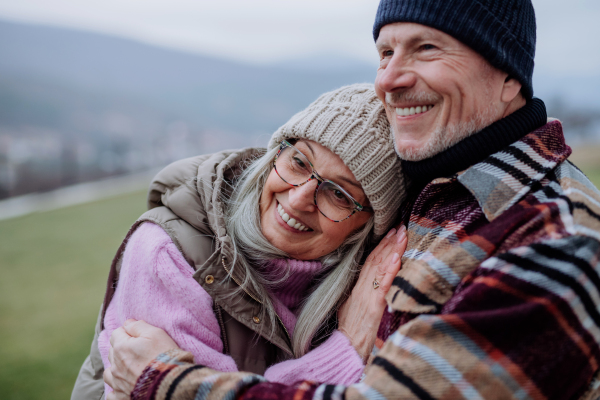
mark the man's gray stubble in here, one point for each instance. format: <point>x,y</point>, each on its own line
<point>443,137</point>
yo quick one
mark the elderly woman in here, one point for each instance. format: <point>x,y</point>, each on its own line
<point>246,256</point>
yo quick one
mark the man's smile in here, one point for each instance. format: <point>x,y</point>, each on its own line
<point>412,110</point>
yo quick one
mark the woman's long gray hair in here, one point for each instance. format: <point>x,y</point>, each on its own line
<point>252,250</point>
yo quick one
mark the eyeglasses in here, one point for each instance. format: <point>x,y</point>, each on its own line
<point>331,199</point>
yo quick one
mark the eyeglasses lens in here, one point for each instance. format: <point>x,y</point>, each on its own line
<point>333,201</point>
<point>294,168</point>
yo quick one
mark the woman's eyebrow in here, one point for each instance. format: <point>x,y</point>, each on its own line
<point>310,148</point>
<point>339,177</point>
<point>348,181</point>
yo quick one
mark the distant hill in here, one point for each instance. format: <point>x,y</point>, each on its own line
<point>209,91</point>
<point>212,92</point>
<point>575,91</point>
<point>77,106</point>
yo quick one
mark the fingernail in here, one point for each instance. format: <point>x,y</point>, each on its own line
<point>395,258</point>
<point>390,233</point>
<point>401,235</point>
<point>401,229</point>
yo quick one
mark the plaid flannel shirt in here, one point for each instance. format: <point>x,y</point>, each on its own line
<point>498,296</point>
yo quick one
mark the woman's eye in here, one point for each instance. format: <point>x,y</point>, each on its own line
<point>341,197</point>
<point>297,162</point>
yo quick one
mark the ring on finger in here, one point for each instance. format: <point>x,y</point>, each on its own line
<point>375,284</point>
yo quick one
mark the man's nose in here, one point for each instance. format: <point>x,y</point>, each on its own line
<point>302,198</point>
<point>396,76</point>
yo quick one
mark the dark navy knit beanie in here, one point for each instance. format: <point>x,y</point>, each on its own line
<point>502,31</point>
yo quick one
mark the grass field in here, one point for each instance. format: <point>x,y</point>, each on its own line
<point>594,176</point>
<point>588,160</point>
<point>53,269</point>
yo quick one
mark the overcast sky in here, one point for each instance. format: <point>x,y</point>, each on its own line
<point>267,31</point>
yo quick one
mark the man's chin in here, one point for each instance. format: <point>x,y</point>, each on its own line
<point>414,154</point>
<point>438,141</point>
<point>414,150</point>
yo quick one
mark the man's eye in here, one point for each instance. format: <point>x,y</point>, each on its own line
<point>428,47</point>
<point>388,53</point>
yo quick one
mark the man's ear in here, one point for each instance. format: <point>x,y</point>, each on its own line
<point>510,89</point>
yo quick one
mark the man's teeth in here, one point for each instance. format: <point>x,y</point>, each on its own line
<point>290,221</point>
<point>405,112</point>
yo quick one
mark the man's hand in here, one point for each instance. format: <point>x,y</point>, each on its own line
<point>133,346</point>
<point>360,316</point>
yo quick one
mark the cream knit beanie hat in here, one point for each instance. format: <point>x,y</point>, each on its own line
<point>351,122</point>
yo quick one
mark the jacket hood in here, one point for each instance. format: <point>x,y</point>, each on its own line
<point>195,188</point>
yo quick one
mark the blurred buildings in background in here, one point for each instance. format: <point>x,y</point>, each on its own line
<point>78,106</point>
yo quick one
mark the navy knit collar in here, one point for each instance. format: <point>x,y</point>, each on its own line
<point>478,147</point>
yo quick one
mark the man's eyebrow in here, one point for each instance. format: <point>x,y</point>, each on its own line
<point>409,40</point>
<point>381,45</point>
<point>420,37</point>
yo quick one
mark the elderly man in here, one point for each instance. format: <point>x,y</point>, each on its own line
<point>499,292</point>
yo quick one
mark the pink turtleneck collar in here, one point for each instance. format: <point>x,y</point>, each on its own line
<point>288,295</point>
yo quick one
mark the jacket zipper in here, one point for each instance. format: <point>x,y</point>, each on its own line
<point>222,324</point>
<point>260,302</point>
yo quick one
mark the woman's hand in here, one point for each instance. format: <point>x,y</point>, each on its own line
<point>133,346</point>
<point>360,316</point>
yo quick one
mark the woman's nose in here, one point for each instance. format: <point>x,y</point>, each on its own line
<point>302,198</point>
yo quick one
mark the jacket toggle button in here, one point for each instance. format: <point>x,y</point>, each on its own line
<point>209,279</point>
<point>256,320</point>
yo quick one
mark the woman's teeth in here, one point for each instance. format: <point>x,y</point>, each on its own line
<point>406,112</point>
<point>290,221</point>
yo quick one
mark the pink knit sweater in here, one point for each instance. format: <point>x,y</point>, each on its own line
<point>156,285</point>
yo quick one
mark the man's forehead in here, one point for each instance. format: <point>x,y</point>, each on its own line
<point>407,31</point>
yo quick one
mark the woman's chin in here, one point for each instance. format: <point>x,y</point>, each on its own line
<point>298,246</point>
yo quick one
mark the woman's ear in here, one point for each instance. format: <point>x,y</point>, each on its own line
<point>510,89</point>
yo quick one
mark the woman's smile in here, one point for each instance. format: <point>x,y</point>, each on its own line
<point>289,221</point>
